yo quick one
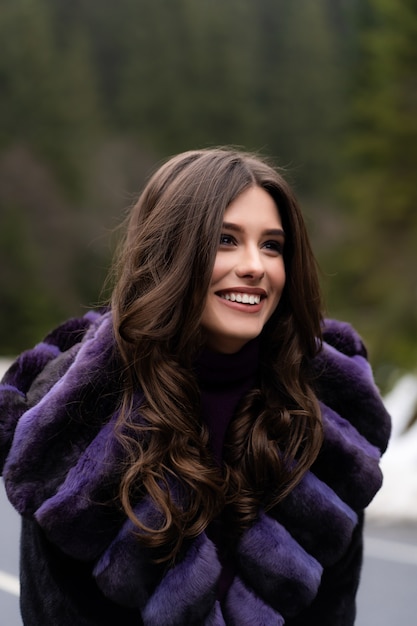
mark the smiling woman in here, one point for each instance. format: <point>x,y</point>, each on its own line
<point>248,274</point>
<point>202,450</point>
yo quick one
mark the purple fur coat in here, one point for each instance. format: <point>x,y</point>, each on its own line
<point>298,565</point>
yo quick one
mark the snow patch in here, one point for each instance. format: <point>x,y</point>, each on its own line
<point>4,366</point>
<point>397,500</point>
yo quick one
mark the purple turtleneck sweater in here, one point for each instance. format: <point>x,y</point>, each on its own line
<point>223,380</point>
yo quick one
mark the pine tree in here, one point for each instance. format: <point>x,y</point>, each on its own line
<point>379,273</point>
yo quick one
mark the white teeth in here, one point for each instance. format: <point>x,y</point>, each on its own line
<point>245,298</point>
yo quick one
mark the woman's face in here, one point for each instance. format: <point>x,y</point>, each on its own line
<point>248,275</point>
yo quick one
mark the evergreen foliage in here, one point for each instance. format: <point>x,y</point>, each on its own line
<point>376,263</point>
<point>95,93</point>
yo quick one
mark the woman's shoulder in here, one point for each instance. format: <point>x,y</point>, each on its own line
<point>344,382</point>
<point>30,363</point>
<point>42,389</point>
<point>356,424</point>
<point>343,337</point>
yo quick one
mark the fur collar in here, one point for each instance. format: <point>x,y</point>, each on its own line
<point>60,400</point>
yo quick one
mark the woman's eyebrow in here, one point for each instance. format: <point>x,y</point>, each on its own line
<point>274,232</point>
<point>230,226</point>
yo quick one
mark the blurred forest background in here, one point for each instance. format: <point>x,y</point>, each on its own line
<point>95,93</point>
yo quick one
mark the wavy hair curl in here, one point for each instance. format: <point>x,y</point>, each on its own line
<point>163,275</point>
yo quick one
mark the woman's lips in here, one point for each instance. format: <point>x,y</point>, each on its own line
<point>245,298</point>
<point>248,300</point>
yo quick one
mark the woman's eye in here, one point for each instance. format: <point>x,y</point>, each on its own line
<point>274,246</point>
<point>226,240</point>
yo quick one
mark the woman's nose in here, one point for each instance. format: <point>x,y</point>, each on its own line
<point>250,264</point>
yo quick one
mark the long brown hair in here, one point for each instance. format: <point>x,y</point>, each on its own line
<point>163,274</point>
